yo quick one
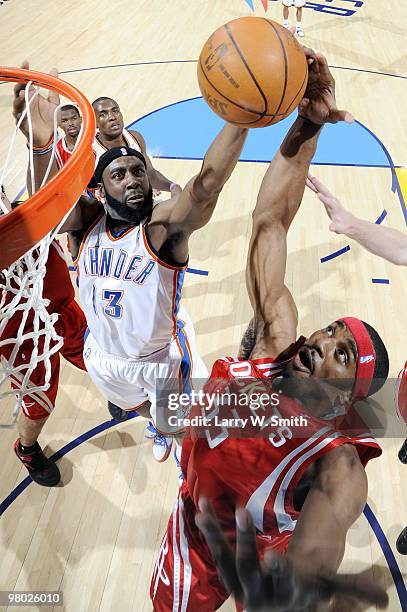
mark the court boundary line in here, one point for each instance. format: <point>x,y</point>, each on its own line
<point>261,161</point>
<point>395,186</point>
<point>195,61</point>
<point>346,248</point>
<point>368,513</point>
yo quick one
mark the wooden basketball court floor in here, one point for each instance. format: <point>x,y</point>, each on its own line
<point>95,537</point>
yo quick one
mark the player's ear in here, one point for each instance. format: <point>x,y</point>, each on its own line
<point>100,193</point>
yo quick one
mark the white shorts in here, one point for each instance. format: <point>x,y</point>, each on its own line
<point>130,383</point>
<point>296,3</point>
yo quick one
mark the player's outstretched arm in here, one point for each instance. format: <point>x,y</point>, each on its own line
<point>385,242</point>
<point>278,201</point>
<point>275,583</point>
<point>42,119</point>
<point>174,221</point>
<point>195,205</point>
<point>157,179</point>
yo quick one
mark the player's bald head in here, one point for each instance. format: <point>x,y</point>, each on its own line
<point>103,101</point>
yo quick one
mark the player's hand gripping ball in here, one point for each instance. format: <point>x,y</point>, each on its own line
<point>252,72</point>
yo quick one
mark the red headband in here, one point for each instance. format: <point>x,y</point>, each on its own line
<point>366,361</point>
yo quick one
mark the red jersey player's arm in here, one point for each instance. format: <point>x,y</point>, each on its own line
<point>278,201</point>
<point>157,179</point>
<point>335,501</point>
<point>42,119</point>
<point>280,195</point>
<point>275,584</point>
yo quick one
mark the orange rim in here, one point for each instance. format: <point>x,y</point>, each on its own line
<point>22,228</point>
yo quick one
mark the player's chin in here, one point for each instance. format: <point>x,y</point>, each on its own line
<point>137,212</point>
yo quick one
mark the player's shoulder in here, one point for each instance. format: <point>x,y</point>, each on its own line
<point>341,462</point>
<point>137,136</point>
<point>263,367</point>
<point>237,367</point>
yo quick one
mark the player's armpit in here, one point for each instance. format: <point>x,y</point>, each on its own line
<point>248,341</point>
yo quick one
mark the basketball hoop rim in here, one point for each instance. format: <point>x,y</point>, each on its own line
<point>44,209</point>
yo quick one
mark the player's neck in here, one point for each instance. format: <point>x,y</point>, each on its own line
<point>111,142</point>
<point>70,143</point>
<point>116,226</point>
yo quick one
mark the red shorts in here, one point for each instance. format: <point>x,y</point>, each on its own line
<point>185,577</point>
<point>401,396</point>
<point>71,325</point>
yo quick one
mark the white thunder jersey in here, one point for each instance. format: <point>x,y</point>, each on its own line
<point>99,148</point>
<point>129,296</point>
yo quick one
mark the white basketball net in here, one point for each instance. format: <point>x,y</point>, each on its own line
<point>21,295</point>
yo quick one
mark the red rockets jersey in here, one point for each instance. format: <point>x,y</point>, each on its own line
<point>57,288</point>
<point>262,472</point>
<point>62,154</point>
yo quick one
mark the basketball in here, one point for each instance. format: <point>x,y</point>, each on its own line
<point>252,72</point>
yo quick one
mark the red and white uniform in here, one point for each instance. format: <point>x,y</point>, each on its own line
<point>62,153</point>
<point>71,325</point>
<point>62,156</point>
<point>259,473</point>
<point>401,394</point>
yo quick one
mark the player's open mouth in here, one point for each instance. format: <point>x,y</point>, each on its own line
<point>135,197</point>
<point>303,360</point>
